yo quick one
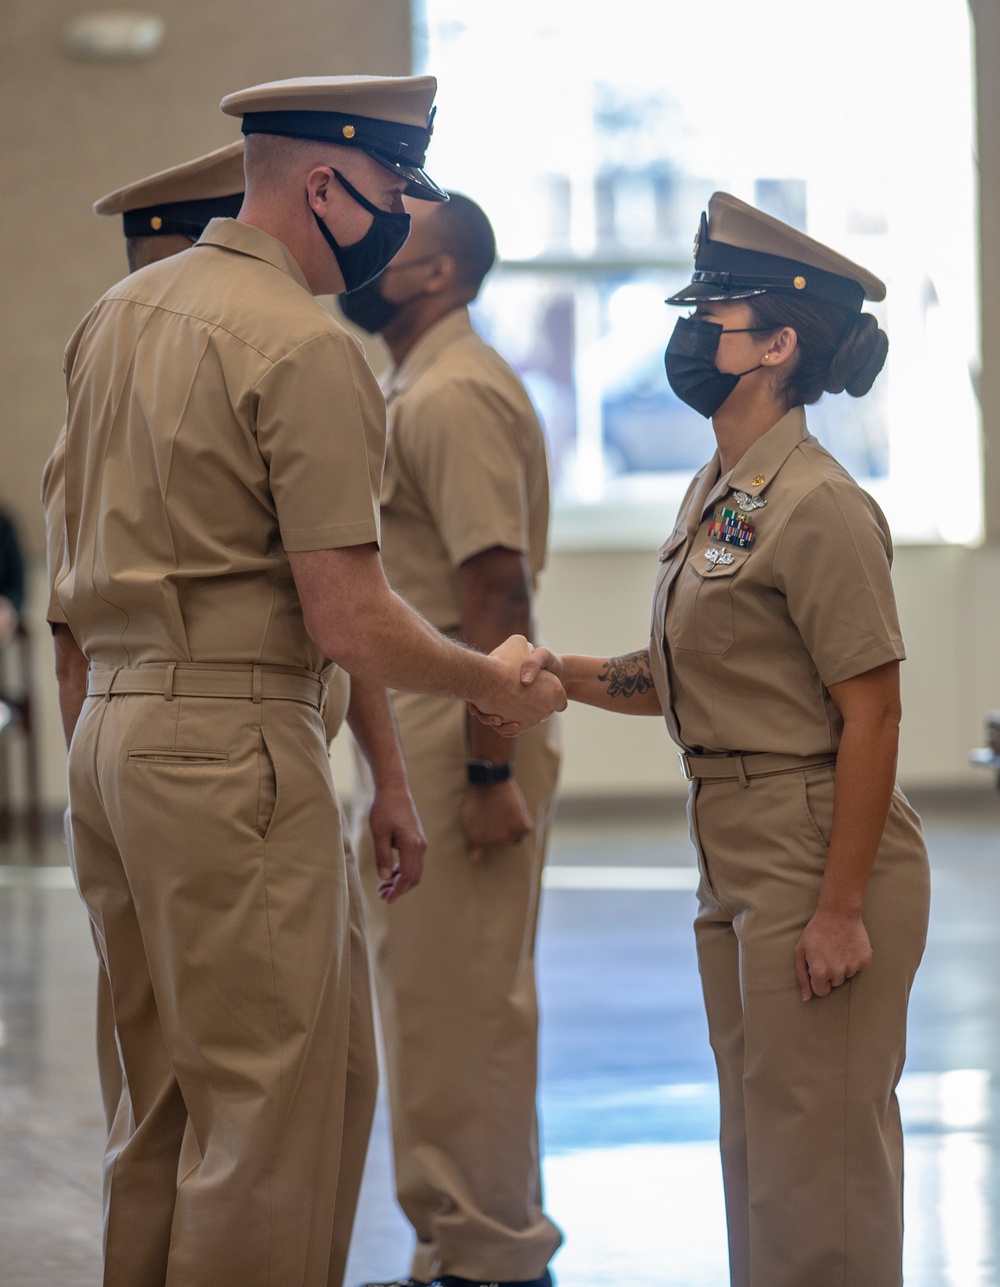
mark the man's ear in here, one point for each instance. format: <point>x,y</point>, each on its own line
<point>442,274</point>
<point>319,182</point>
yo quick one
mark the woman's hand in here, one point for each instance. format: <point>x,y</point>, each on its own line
<point>541,659</point>
<point>834,946</point>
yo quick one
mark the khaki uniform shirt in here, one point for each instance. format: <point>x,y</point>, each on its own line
<point>746,640</point>
<point>217,418</point>
<point>465,467</point>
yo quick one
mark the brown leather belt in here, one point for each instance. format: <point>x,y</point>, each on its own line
<point>191,679</point>
<point>743,768</point>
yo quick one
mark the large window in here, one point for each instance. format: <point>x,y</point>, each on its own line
<point>593,135</point>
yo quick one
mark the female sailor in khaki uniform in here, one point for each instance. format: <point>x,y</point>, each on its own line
<point>774,658</point>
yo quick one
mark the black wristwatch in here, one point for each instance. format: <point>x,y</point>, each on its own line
<point>484,773</point>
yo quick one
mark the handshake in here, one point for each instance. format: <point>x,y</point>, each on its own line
<point>526,689</point>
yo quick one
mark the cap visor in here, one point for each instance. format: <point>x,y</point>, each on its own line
<point>698,291</point>
<point>420,184</point>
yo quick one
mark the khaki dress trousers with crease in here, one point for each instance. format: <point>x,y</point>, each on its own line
<point>454,960</point>
<point>773,586</point>
<point>217,419</point>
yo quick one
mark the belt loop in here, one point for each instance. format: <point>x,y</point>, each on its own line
<point>168,681</point>
<point>741,772</point>
<point>111,684</point>
<point>258,685</point>
<point>324,691</point>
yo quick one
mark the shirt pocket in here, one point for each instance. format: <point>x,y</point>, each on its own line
<point>702,616</point>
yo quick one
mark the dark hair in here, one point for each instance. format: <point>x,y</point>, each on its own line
<point>837,349</point>
<point>466,234</point>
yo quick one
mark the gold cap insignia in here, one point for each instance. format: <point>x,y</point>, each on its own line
<point>758,480</point>
<point>799,283</point>
<point>156,223</point>
<point>348,131</point>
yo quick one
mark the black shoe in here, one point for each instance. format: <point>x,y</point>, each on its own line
<point>449,1280</point>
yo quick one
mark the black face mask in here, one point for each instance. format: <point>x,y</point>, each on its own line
<point>366,258</point>
<point>366,307</point>
<point>690,363</point>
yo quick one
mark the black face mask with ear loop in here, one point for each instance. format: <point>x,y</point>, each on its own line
<point>690,363</point>
<point>366,258</point>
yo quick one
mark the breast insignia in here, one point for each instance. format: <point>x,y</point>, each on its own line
<point>749,503</point>
<point>718,558</point>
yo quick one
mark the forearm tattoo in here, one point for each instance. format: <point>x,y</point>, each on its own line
<point>627,676</point>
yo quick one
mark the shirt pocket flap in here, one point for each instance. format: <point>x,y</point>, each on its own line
<point>716,560</point>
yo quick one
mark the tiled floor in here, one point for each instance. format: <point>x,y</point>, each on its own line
<point>628,1103</point>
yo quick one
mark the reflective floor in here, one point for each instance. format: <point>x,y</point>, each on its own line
<point>628,1102</point>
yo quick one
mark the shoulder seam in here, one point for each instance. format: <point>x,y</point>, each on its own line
<point>216,326</point>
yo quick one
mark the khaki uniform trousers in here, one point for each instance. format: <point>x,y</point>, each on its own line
<point>207,846</point>
<point>812,1149</point>
<point>455,980</point>
<point>361,1088</point>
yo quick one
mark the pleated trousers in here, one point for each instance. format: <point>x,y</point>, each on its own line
<point>206,841</point>
<point>812,1147</point>
<point>455,981</point>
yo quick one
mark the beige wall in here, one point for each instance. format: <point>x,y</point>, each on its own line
<point>82,130</point>
<point>75,130</point>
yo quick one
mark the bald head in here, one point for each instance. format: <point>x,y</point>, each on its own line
<point>461,230</point>
<point>273,161</point>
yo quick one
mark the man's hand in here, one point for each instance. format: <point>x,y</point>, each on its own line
<point>400,843</point>
<point>494,816</point>
<point>538,694</point>
<point>833,947</point>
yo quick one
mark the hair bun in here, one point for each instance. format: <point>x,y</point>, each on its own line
<point>859,357</point>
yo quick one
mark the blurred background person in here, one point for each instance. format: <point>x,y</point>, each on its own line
<point>465,508</point>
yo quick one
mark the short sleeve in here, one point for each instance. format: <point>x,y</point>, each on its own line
<point>54,503</point>
<point>319,418</point>
<point>462,448</point>
<point>832,562</point>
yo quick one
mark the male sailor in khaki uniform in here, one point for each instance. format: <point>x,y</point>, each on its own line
<point>223,457</point>
<point>163,215</point>
<point>465,504</point>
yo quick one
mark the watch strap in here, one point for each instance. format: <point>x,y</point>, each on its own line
<point>484,773</point>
